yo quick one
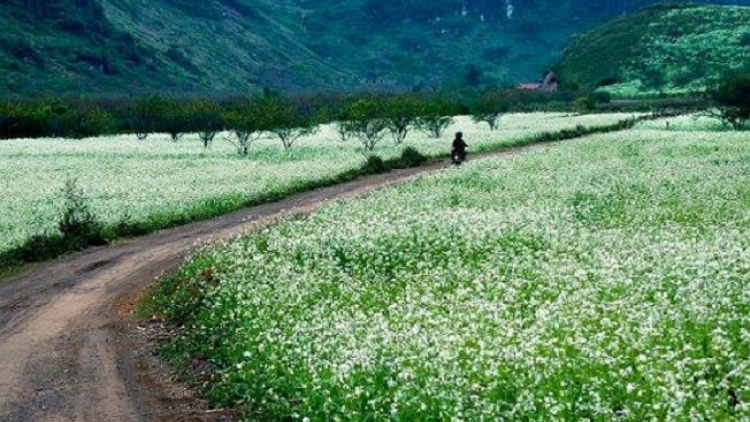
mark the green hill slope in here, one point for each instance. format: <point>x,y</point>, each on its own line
<point>188,46</point>
<point>140,46</point>
<point>45,48</point>
<point>664,48</point>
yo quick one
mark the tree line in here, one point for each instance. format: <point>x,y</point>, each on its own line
<point>366,117</point>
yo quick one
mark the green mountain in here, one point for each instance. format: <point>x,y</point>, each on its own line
<point>190,46</point>
<point>139,46</point>
<point>660,49</point>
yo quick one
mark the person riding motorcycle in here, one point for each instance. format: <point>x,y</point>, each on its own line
<point>458,148</point>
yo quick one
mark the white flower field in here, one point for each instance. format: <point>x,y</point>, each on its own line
<point>603,279</point>
<point>156,182</point>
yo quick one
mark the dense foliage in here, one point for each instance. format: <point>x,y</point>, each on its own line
<point>661,49</point>
<point>730,100</point>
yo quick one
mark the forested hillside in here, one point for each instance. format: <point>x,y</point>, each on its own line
<point>139,46</point>
<point>660,49</point>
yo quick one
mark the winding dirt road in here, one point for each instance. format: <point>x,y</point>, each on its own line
<point>70,347</point>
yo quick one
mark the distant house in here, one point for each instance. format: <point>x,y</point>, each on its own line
<point>550,84</point>
<point>530,87</point>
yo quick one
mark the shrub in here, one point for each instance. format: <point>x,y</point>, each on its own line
<point>374,165</point>
<point>584,105</point>
<point>602,97</point>
<point>93,122</point>
<point>78,225</point>
<point>411,157</point>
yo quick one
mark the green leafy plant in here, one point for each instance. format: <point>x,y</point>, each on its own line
<point>78,224</point>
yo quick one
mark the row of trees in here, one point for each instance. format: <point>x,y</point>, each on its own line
<point>368,118</point>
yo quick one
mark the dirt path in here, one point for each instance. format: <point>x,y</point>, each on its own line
<point>69,345</point>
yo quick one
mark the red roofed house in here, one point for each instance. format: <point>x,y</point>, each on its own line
<point>530,87</point>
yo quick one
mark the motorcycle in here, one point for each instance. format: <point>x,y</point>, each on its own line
<point>458,157</point>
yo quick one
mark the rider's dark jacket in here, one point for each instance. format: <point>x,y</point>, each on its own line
<point>459,145</point>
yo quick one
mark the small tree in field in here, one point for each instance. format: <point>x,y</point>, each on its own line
<point>206,119</point>
<point>490,107</point>
<point>366,121</point>
<point>730,100</point>
<point>168,115</point>
<point>400,114</point>
<point>585,104</point>
<point>175,119</point>
<point>435,116</point>
<point>246,124</point>
<point>335,115</point>
<point>144,116</point>
<point>344,129</point>
<point>285,121</point>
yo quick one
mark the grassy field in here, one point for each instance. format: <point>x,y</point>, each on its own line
<point>603,279</point>
<point>156,183</point>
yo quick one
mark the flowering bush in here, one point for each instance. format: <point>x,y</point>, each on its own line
<point>602,280</point>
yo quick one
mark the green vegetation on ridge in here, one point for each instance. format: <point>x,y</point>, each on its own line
<point>131,47</point>
<point>661,49</point>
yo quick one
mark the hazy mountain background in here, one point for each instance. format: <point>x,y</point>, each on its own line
<point>194,46</point>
